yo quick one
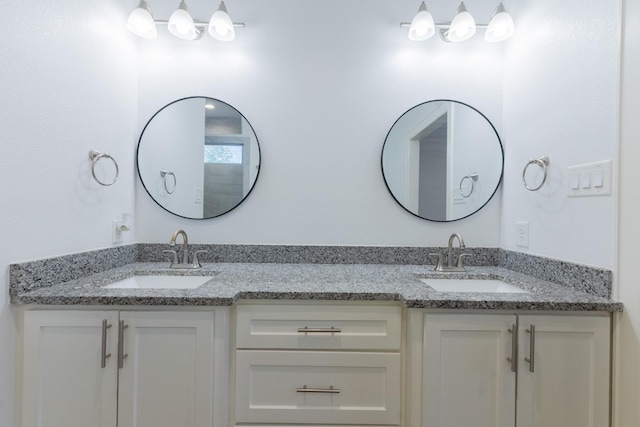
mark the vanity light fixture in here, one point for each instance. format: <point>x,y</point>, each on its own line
<point>462,26</point>
<point>422,27</point>
<point>500,27</point>
<point>221,26</point>
<point>141,21</point>
<point>181,24</point>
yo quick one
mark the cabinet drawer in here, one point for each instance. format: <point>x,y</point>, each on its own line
<point>324,327</point>
<point>317,387</point>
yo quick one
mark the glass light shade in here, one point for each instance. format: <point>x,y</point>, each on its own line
<point>141,23</point>
<point>221,26</point>
<point>422,26</point>
<point>500,27</point>
<point>181,23</point>
<point>463,26</point>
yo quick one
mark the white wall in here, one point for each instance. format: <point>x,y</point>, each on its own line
<point>69,83</point>
<point>627,343</point>
<point>561,100</point>
<point>321,83</point>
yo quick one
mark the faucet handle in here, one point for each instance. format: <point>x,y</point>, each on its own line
<point>440,263</point>
<point>196,261</point>
<point>461,258</point>
<point>175,255</point>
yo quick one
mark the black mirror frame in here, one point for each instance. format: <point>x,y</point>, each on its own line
<point>138,155</point>
<point>501,166</point>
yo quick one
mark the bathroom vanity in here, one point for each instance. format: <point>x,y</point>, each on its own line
<point>302,344</point>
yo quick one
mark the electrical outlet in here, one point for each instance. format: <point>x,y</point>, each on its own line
<point>522,234</point>
<point>116,232</point>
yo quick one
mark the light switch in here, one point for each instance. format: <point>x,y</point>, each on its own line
<point>574,181</point>
<point>597,176</point>
<point>585,179</point>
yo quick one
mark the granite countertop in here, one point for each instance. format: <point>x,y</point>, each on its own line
<point>232,282</point>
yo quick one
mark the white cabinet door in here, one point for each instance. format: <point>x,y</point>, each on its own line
<point>569,385</point>
<point>467,379</point>
<point>64,384</point>
<point>166,379</point>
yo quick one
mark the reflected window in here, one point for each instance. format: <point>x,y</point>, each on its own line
<point>223,153</point>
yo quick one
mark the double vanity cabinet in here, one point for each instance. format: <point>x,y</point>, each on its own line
<point>340,363</point>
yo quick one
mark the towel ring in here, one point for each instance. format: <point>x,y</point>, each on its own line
<point>164,174</point>
<point>95,156</point>
<point>472,178</point>
<point>543,162</point>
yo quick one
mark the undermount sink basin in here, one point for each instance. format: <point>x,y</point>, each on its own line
<point>473,285</point>
<point>160,282</point>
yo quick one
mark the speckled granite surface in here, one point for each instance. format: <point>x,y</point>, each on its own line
<point>289,254</point>
<point>344,282</point>
<point>47,272</point>
<point>593,280</point>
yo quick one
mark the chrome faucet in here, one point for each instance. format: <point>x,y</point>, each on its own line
<point>185,252</point>
<point>440,266</point>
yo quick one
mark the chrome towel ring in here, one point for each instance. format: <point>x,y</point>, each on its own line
<point>472,179</point>
<point>164,174</point>
<point>543,162</point>
<point>95,155</point>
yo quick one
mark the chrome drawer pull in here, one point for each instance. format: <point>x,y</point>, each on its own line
<point>319,330</point>
<point>121,354</point>
<point>105,355</point>
<point>514,348</point>
<point>306,389</point>
<point>532,347</point>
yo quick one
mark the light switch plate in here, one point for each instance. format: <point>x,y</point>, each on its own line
<point>594,179</point>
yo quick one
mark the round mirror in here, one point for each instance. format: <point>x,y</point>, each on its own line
<point>198,157</point>
<point>442,160</point>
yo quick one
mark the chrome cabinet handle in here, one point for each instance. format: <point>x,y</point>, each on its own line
<point>121,354</point>
<point>104,356</point>
<point>306,389</point>
<point>532,347</point>
<point>514,348</point>
<point>319,330</point>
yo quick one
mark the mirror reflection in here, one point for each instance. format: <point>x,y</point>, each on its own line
<point>442,160</point>
<point>198,157</point>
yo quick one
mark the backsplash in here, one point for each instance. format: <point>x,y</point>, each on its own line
<point>37,274</point>
<point>293,254</point>
<point>597,281</point>
<point>46,272</point>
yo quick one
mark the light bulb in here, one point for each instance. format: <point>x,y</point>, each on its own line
<point>141,23</point>
<point>463,26</point>
<point>422,26</point>
<point>220,25</point>
<point>181,23</point>
<point>500,27</point>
